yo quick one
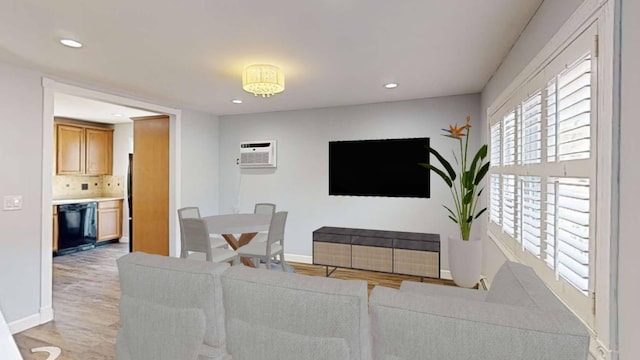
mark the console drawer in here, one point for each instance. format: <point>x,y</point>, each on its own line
<point>332,254</point>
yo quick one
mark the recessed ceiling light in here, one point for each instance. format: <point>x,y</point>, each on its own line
<point>236,101</point>
<point>71,43</point>
<point>391,85</point>
<point>116,115</point>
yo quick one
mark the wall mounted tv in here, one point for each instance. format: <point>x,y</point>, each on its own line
<point>386,167</point>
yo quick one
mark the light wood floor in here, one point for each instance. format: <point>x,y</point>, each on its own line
<point>86,293</point>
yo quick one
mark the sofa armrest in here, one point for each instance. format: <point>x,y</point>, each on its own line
<point>442,290</point>
<point>454,328</point>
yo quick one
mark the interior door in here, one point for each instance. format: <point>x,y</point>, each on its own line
<point>150,188</point>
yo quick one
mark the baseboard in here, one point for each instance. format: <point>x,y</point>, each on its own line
<point>303,259</point>
<point>24,323</point>
<point>45,315</point>
<point>445,274</point>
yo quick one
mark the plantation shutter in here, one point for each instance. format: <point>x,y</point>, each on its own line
<point>574,111</point>
<point>543,174</point>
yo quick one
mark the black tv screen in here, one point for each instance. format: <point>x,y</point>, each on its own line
<point>379,168</point>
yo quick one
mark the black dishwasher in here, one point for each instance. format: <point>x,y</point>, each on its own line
<point>76,227</point>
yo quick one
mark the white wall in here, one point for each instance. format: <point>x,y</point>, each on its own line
<point>300,183</point>
<point>199,173</point>
<point>122,146</point>
<point>21,164</point>
<point>21,111</point>
<point>544,24</point>
<point>629,270</point>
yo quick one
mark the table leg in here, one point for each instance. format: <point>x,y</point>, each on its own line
<point>235,244</point>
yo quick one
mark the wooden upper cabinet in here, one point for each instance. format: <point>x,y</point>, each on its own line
<point>83,150</point>
<point>69,150</point>
<point>99,152</point>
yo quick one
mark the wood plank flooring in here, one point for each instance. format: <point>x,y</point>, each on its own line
<point>86,293</point>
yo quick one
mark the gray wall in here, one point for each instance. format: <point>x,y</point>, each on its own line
<point>21,160</point>
<point>629,270</point>
<point>551,15</point>
<point>199,173</point>
<point>300,183</point>
<point>21,164</point>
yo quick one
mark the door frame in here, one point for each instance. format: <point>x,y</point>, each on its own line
<point>50,88</point>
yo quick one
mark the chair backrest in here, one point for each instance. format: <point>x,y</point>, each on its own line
<point>162,293</point>
<point>264,208</point>
<point>276,228</point>
<point>191,212</point>
<point>196,237</point>
<point>278,313</point>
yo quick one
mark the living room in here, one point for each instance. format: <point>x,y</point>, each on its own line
<point>303,137</point>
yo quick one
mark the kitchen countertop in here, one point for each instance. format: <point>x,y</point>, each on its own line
<point>64,201</point>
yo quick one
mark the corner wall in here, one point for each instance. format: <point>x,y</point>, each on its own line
<point>300,183</point>
<point>551,15</point>
<point>629,270</point>
<point>199,161</point>
<point>21,163</point>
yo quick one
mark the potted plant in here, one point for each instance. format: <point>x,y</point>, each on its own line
<point>465,254</point>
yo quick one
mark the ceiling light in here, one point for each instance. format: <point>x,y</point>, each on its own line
<point>71,43</point>
<point>264,80</point>
<point>391,85</point>
<point>236,101</point>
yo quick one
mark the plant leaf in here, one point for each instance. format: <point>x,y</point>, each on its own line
<point>480,192</point>
<point>467,198</point>
<point>455,157</point>
<point>481,173</point>
<point>479,156</point>
<point>452,214</point>
<point>480,213</point>
<point>469,219</point>
<point>445,163</point>
<point>452,218</point>
<point>439,172</point>
<point>467,180</point>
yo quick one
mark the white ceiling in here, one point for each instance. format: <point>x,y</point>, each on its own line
<point>74,107</point>
<point>333,52</point>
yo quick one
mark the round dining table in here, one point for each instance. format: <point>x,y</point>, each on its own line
<point>247,225</point>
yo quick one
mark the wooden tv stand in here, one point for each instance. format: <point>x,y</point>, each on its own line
<point>395,252</point>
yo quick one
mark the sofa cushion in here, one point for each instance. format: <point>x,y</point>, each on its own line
<point>180,283</point>
<point>275,344</point>
<point>157,332</point>
<point>410,326</point>
<point>517,284</point>
<point>321,312</point>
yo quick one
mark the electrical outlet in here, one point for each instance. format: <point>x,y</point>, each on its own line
<point>12,202</point>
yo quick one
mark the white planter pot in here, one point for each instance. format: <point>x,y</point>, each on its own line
<point>465,261</point>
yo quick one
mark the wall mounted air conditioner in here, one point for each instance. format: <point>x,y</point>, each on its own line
<point>258,154</point>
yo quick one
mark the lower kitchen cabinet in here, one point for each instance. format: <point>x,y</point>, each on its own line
<point>109,220</point>
<point>55,228</point>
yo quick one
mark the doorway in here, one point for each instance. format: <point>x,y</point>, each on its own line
<point>50,88</point>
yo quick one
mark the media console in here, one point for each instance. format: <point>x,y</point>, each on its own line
<point>395,252</point>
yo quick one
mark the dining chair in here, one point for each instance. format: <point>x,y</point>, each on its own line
<point>274,246</point>
<point>197,239</point>
<point>193,212</point>
<point>266,209</point>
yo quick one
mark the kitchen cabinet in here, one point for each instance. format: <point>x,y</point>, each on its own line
<point>109,220</point>
<point>83,150</point>
<point>55,228</point>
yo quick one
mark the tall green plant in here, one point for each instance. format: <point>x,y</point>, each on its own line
<point>464,183</point>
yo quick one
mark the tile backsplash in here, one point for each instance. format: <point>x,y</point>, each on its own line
<point>69,186</point>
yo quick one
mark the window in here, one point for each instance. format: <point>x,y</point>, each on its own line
<point>543,171</point>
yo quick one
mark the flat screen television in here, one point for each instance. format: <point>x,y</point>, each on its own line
<point>386,167</point>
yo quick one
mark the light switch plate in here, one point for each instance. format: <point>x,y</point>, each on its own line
<point>12,202</point>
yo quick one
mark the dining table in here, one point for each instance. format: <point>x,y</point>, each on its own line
<point>246,225</point>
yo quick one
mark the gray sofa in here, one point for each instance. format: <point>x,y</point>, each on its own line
<point>184,309</point>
